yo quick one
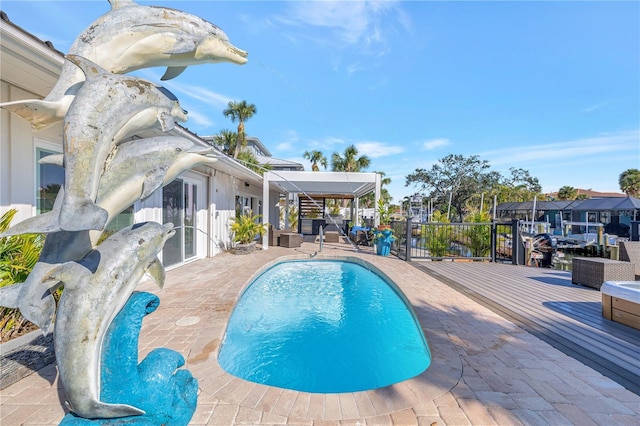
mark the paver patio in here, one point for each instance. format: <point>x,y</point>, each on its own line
<point>485,369</point>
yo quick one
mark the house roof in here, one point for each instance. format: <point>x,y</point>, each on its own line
<point>614,203</point>
<point>278,163</point>
<point>258,143</point>
<point>591,204</point>
<point>325,183</point>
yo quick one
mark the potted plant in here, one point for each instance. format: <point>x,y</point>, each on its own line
<point>382,240</point>
<point>384,214</point>
<point>245,229</point>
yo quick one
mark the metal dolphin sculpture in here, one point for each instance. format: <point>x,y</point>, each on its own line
<point>138,169</point>
<point>107,109</point>
<point>96,289</point>
<point>128,38</point>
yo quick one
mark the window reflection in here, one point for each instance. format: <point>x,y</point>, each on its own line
<point>49,179</point>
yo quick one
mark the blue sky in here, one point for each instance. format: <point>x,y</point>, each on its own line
<point>551,87</point>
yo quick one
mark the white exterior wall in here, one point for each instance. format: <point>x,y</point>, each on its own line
<point>18,145</point>
<point>222,209</point>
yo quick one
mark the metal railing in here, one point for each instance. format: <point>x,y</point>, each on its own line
<point>439,241</point>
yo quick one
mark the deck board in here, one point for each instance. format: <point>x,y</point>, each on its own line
<point>545,303</point>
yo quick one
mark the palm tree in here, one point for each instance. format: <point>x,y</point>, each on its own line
<point>240,112</point>
<point>629,181</point>
<point>226,140</point>
<point>316,157</point>
<point>350,162</point>
<point>368,200</point>
<point>567,193</point>
<point>250,161</point>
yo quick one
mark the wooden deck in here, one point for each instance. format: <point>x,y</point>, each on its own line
<point>546,304</point>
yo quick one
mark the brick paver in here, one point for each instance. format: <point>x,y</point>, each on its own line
<point>485,370</point>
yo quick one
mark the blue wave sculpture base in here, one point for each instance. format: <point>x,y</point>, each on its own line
<point>167,395</point>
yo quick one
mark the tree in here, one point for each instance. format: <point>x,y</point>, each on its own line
<point>567,193</point>
<point>629,182</point>
<point>518,186</point>
<point>456,178</point>
<point>350,162</point>
<point>368,200</point>
<point>226,141</point>
<point>247,158</point>
<point>315,157</point>
<point>240,112</point>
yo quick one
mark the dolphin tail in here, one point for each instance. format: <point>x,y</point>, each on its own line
<point>9,295</point>
<point>89,68</point>
<point>39,113</point>
<point>38,309</point>
<point>92,408</point>
<point>117,4</point>
<point>83,216</point>
<point>41,224</point>
<point>36,302</point>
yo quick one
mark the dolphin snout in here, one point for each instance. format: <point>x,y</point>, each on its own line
<point>168,230</point>
<point>179,114</point>
<point>239,55</point>
<point>201,149</point>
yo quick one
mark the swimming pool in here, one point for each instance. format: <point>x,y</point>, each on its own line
<point>323,326</point>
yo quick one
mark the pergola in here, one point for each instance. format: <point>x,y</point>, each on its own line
<point>327,184</point>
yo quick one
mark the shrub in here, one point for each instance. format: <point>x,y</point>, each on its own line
<point>246,228</point>
<point>18,255</point>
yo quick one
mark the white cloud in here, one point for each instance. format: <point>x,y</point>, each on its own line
<point>361,23</point>
<point>284,146</point>
<point>377,149</point>
<point>569,152</point>
<point>200,120</point>
<point>186,91</point>
<point>435,143</point>
<point>595,107</point>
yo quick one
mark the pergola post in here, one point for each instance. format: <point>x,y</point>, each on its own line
<point>265,211</point>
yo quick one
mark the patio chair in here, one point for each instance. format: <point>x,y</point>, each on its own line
<point>630,252</point>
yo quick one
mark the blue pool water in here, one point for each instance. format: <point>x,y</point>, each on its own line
<point>325,327</point>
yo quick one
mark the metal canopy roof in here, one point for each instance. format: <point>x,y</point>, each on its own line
<point>318,183</point>
<point>591,204</point>
<point>325,183</point>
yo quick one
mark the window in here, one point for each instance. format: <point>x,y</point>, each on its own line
<point>49,179</point>
<point>243,205</point>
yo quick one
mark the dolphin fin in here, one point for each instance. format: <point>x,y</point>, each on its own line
<point>36,302</point>
<point>117,4</point>
<point>156,272</point>
<point>172,72</point>
<point>64,271</point>
<point>39,113</point>
<point>89,68</point>
<point>41,224</point>
<point>152,181</point>
<point>9,295</point>
<point>83,216</point>
<point>53,159</point>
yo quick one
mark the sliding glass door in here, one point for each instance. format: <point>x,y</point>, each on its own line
<point>180,207</point>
